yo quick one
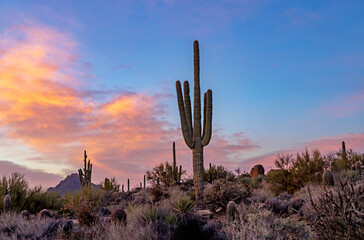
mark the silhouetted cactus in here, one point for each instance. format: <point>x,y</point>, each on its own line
<point>85,176</point>
<point>328,178</point>
<point>192,134</point>
<point>231,211</point>
<point>44,213</point>
<point>128,185</point>
<point>358,168</point>
<point>122,188</point>
<point>144,181</point>
<point>344,155</point>
<point>7,203</point>
<point>176,174</point>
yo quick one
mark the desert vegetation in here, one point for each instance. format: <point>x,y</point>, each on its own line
<point>307,196</point>
<point>279,205</point>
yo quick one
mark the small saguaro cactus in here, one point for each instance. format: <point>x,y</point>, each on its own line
<point>176,174</point>
<point>328,178</point>
<point>122,188</point>
<point>358,169</point>
<point>7,203</point>
<point>144,181</point>
<point>85,176</point>
<point>344,154</point>
<point>231,211</point>
<point>192,133</point>
<point>128,185</point>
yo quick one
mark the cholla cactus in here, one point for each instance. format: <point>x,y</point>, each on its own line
<point>358,168</point>
<point>328,178</point>
<point>231,211</point>
<point>7,203</point>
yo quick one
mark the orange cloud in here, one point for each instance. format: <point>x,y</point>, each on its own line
<point>41,106</point>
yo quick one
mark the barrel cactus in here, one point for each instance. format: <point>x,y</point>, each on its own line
<point>328,178</point>
<point>44,213</point>
<point>231,211</point>
<point>7,203</point>
<point>358,168</point>
<point>25,214</point>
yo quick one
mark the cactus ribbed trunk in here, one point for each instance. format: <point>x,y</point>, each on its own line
<point>192,133</point>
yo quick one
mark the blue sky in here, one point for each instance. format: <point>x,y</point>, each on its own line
<point>285,73</point>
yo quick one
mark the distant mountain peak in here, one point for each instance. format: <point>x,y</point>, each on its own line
<point>70,184</point>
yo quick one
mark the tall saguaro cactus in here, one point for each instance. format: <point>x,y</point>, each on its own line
<point>85,176</point>
<point>192,133</point>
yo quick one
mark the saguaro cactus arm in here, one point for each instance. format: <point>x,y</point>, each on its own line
<point>207,120</point>
<point>196,93</point>
<point>187,136</point>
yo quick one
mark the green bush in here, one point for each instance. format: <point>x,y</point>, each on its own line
<point>23,198</point>
<point>217,172</point>
<point>294,173</point>
<point>162,174</point>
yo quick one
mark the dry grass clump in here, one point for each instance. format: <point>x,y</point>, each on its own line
<point>256,223</point>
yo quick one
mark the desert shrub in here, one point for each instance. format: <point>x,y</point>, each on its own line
<point>23,197</point>
<point>254,223</point>
<point>217,172</point>
<point>281,180</point>
<point>339,211</point>
<point>13,227</point>
<point>344,161</point>
<point>295,173</point>
<point>119,216</point>
<point>250,182</point>
<point>84,205</point>
<point>157,194</point>
<point>261,195</point>
<point>162,174</point>
<point>219,194</point>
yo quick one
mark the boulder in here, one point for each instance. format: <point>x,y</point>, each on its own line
<point>256,170</point>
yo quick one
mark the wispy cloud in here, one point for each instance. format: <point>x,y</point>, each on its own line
<point>122,66</point>
<point>344,106</point>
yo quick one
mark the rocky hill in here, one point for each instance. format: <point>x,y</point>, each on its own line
<point>70,184</point>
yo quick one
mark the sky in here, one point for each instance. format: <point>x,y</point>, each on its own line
<point>100,76</point>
